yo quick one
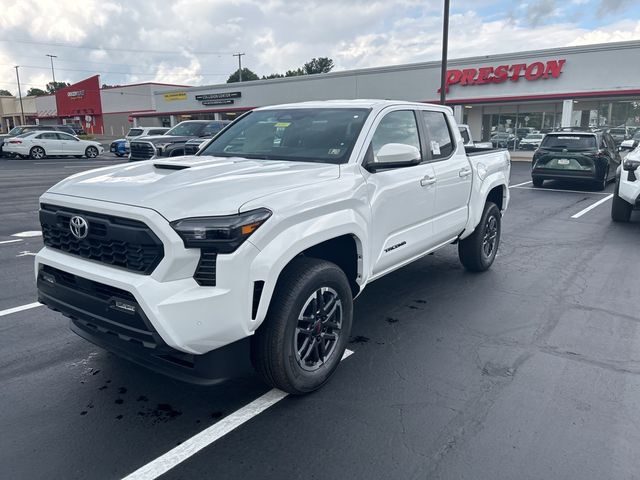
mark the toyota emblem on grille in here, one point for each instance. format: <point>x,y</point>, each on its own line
<point>79,227</point>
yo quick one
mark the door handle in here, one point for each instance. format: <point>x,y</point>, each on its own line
<point>465,172</point>
<point>427,180</point>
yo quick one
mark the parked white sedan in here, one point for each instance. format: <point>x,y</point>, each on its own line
<point>41,144</point>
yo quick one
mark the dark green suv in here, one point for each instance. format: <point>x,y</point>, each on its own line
<point>576,155</point>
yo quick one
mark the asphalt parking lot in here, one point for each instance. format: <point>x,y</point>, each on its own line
<point>529,371</point>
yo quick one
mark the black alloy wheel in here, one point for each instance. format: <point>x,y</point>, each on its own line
<point>318,331</point>
<point>490,238</point>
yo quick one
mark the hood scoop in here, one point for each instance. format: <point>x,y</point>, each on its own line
<point>170,166</point>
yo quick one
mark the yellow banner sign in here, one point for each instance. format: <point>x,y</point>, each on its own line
<point>170,97</point>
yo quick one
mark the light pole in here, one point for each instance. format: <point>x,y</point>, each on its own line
<point>239,55</point>
<point>20,96</point>
<point>53,73</point>
<point>445,45</point>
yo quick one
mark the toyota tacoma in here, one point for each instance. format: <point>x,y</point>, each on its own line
<point>253,250</point>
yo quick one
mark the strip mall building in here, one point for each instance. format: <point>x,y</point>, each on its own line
<point>100,110</point>
<point>594,85</point>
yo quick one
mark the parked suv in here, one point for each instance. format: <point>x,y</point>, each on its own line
<point>171,144</point>
<point>576,155</point>
<point>254,249</point>
<point>193,145</point>
<point>121,146</point>
<point>627,193</point>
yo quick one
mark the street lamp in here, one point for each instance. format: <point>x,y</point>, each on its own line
<point>53,74</point>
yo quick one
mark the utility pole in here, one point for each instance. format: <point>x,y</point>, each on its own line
<point>445,46</point>
<point>53,73</point>
<point>20,96</point>
<point>239,55</point>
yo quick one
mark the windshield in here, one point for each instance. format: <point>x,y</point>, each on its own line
<point>14,132</point>
<point>135,132</point>
<point>570,142</point>
<point>323,135</point>
<point>187,129</point>
<point>618,131</point>
<point>533,136</point>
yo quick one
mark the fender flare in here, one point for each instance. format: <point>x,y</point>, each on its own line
<point>288,244</point>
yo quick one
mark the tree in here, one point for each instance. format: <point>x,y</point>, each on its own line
<point>106,85</point>
<point>318,65</point>
<point>35,92</point>
<point>294,73</point>
<point>272,75</point>
<point>246,76</point>
<point>5,92</point>
<point>53,87</point>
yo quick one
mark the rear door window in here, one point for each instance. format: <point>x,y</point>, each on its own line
<point>570,142</point>
<point>438,134</point>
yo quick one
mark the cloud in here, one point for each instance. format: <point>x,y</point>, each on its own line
<point>192,41</point>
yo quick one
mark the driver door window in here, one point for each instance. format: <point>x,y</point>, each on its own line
<point>396,127</point>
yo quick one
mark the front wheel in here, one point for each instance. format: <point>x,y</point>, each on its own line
<point>305,333</point>
<point>537,181</point>
<point>478,251</point>
<point>620,209</point>
<point>91,152</point>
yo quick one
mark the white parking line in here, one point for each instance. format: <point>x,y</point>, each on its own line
<point>10,241</point>
<point>591,207</point>
<point>179,454</point>
<point>520,184</point>
<point>19,309</point>
<point>558,190</point>
<point>28,234</point>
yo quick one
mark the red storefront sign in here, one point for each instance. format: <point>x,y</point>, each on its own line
<point>502,73</point>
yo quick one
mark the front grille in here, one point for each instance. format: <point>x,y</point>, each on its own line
<point>115,241</point>
<point>191,148</point>
<point>142,150</point>
<point>205,274</point>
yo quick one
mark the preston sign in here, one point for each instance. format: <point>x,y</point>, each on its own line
<point>502,73</point>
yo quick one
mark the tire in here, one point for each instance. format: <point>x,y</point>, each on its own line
<point>537,181</point>
<point>600,185</point>
<point>478,251</point>
<point>37,153</point>
<point>620,209</point>
<point>91,152</point>
<point>282,350</point>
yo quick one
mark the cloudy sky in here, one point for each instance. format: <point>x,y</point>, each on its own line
<point>192,41</point>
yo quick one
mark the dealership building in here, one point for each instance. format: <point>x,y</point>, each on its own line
<point>592,85</point>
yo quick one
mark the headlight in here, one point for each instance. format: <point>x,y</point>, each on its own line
<point>631,165</point>
<point>223,234</point>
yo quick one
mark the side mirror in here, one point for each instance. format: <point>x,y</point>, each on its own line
<point>626,145</point>
<point>394,155</point>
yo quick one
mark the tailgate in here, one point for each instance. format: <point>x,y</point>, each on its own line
<point>565,161</point>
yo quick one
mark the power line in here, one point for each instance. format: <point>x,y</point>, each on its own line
<point>133,50</point>
<point>204,74</point>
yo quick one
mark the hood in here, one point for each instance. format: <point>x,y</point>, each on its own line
<point>155,139</point>
<point>194,186</point>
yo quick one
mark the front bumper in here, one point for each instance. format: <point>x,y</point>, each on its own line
<point>186,317</point>
<point>629,189</point>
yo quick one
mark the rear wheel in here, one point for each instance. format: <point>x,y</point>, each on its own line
<point>537,181</point>
<point>620,209</point>
<point>478,251</point>
<point>602,184</point>
<point>37,153</point>
<point>303,338</point>
<point>91,152</point>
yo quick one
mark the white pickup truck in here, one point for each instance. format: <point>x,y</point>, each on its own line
<point>255,248</point>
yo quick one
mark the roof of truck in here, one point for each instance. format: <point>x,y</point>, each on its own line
<point>359,103</point>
